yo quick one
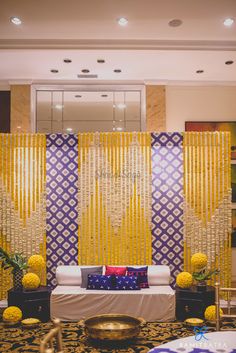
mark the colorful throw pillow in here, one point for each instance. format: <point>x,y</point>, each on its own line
<point>127,283</point>
<point>100,282</point>
<point>141,273</point>
<point>117,271</point>
<point>88,270</point>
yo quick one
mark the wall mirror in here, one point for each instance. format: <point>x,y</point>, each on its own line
<point>73,111</point>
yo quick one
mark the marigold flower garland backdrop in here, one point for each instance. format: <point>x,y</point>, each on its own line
<point>116,198</point>
<point>22,198</point>
<point>207,201</point>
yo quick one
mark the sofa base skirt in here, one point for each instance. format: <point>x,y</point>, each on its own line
<point>73,303</point>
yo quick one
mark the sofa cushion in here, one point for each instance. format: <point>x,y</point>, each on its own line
<point>127,283</point>
<point>100,282</point>
<point>158,275</point>
<point>141,273</point>
<point>70,275</point>
<point>90,270</point>
<point>118,271</point>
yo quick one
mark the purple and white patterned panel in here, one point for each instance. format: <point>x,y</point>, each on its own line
<point>167,201</point>
<point>62,202</point>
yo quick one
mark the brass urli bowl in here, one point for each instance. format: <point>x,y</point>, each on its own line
<point>113,327</point>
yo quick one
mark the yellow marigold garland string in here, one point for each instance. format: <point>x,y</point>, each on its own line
<point>22,197</point>
<point>207,200</point>
<point>114,198</point>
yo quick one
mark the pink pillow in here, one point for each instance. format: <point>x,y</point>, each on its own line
<point>118,271</point>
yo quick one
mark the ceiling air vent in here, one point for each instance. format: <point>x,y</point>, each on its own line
<point>87,76</point>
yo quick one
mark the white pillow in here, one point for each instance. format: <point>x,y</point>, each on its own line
<point>69,275</point>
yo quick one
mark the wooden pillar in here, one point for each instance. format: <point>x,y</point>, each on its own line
<point>155,108</point>
<point>20,108</point>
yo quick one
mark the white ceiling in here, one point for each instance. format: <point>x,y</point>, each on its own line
<point>146,50</point>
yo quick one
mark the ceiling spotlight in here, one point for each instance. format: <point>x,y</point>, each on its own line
<point>229,62</point>
<point>85,71</point>
<point>121,106</point>
<point>67,61</point>
<point>199,71</point>
<point>16,20</point>
<point>117,71</point>
<point>104,95</point>
<point>122,21</point>
<point>54,71</point>
<point>58,106</point>
<point>69,129</point>
<point>228,22</point>
<point>175,23</point>
<point>100,61</point>
<point>78,96</point>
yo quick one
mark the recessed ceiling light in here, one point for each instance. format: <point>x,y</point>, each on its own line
<point>58,106</point>
<point>67,61</point>
<point>175,22</point>
<point>199,71</point>
<point>122,21</point>
<point>54,71</point>
<point>117,71</point>
<point>16,20</point>
<point>104,95</point>
<point>85,71</point>
<point>228,22</point>
<point>69,129</point>
<point>100,61</point>
<point>121,106</point>
<point>229,62</point>
<point>78,96</point>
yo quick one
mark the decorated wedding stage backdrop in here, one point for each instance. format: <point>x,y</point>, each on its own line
<point>116,198</point>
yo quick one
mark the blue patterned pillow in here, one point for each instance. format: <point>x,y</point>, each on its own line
<point>141,272</point>
<point>127,283</point>
<point>99,282</point>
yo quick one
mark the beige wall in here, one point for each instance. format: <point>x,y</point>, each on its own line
<point>199,103</point>
<point>155,108</point>
<point>167,107</point>
<point>20,108</point>
<point>4,87</point>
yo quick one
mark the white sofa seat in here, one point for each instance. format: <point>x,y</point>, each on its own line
<point>70,302</point>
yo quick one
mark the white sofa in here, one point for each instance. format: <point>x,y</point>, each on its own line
<point>70,302</point>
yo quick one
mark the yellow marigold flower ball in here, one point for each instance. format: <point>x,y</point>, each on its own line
<point>36,262</point>
<point>31,281</point>
<point>184,280</point>
<point>210,313</point>
<point>199,261</point>
<point>12,314</point>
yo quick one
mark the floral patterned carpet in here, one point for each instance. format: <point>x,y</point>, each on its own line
<point>20,339</point>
